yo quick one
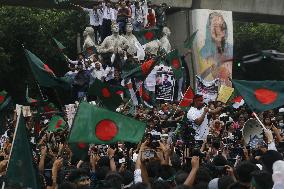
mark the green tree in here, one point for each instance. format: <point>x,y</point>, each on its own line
<point>251,38</point>
<point>33,28</point>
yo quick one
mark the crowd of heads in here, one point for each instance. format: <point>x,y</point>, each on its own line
<point>172,153</point>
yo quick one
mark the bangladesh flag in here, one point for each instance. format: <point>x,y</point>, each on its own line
<point>56,123</point>
<point>43,74</point>
<point>189,41</point>
<point>21,171</point>
<point>147,35</point>
<point>261,95</point>
<point>29,99</point>
<point>148,97</point>
<point>79,151</point>
<point>173,59</point>
<point>187,99</point>
<point>100,126</point>
<point>60,46</point>
<point>141,72</point>
<point>4,99</point>
<point>109,95</point>
<point>3,95</point>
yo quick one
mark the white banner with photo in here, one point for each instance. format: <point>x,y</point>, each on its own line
<point>165,85</point>
<point>209,89</point>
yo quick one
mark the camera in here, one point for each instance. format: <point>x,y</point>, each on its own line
<point>154,141</point>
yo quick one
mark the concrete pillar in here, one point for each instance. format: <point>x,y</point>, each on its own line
<point>179,24</point>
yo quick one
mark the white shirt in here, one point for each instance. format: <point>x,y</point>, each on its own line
<point>94,16</point>
<point>98,73</point>
<point>201,130</point>
<point>137,14</point>
<point>108,13</point>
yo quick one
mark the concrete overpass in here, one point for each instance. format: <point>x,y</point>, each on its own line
<point>269,11</point>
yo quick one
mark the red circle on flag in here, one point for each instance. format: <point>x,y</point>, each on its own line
<point>58,124</point>
<point>106,130</point>
<point>105,93</point>
<point>265,96</point>
<point>48,69</point>
<point>2,99</point>
<point>82,145</point>
<point>175,63</point>
<point>149,35</point>
<point>119,92</point>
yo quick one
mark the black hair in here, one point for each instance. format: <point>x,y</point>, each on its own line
<point>101,172</point>
<point>183,187</point>
<point>202,175</point>
<point>263,179</point>
<point>114,180</point>
<point>167,172</point>
<point>269,158</point>
<point>127,176</point>
<point>220,160</point>
<point>67,185</point>
<point>75,174</point>
<point>201,185</point>
<point>197,96</point>
<point>153,169</point>
<point>158,184</point>
<point>140,185</point>
<point>244,170</point>
<point>180,177</point>
<point>238,185</point>
<point>224,182</point>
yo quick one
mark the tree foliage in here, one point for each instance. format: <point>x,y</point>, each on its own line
<point>251,38</point>
<point>33,28</point>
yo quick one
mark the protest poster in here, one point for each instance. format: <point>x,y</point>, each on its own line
<point>165,86</point>
<point>208,89</point>
<point>225,93</point>
<point>213,47</point>
<point>27,111</point>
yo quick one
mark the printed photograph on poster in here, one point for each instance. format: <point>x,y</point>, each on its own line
<point>213,47</point>
<point>165,86</point>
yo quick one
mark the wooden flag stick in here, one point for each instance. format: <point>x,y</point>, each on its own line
<point>181,101</point>
<point>257,118</point>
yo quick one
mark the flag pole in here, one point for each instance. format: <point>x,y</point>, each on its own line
<point>257,118</point>
<point>180,101</point>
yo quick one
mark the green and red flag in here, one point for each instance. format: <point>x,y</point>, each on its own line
<point>108,94</point>
<point>29,99</point>
<point>43,74</point>
<point>79,151</point>
<point>189,41</point>
<point>261,95</point>
<point>21,171</point>
<point>141,72</point>
<point>147,35</point>
<point>100,126</point>
<point>4,99</point>
<point>148,97</point>
<point>60,46</point>
<point>187,99</point>
<point>56,123</point>
<point>173,59</point>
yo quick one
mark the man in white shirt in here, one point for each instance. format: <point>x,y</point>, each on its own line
<point>108,14</point>
<point>138,16</point>
<point>95,15</point>
<point>197,114</point>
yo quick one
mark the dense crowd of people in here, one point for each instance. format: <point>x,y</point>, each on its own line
<point>198,148</point>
